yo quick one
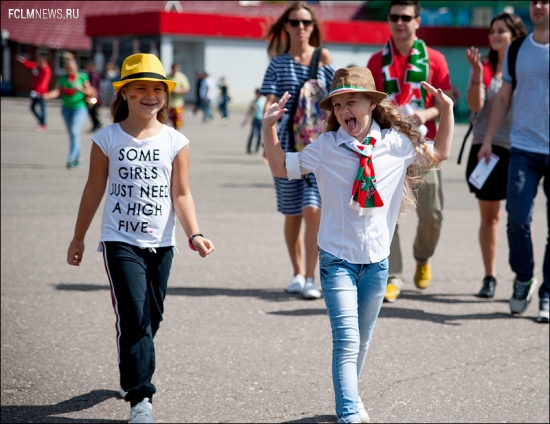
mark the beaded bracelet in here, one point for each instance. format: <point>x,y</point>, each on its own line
<point>190,241</point>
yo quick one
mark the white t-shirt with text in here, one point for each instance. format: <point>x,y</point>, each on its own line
<point>138,209</point>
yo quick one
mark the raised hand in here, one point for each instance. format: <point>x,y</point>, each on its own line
<point>441,97</point>
<point>275,111</point>
<point>444,136</point>
<point>474,59</point>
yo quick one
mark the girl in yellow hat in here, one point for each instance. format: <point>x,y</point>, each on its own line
<point>143,163</point>
<point>364,154</point>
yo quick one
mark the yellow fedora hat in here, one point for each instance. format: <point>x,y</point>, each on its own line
<point>142,67</point>
<point>352,80</point>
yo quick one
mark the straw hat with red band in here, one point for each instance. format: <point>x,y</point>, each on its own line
<point>142,67</point>
<point>352,80</point>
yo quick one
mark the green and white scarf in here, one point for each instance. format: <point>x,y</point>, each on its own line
<point>364,194</point>
<point>406,89</point>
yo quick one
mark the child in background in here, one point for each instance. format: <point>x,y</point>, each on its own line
<point>146,164</point>
<point>366,131</point>
<point>255,111</point>
<point>224,99</point>
<point>40,85</point>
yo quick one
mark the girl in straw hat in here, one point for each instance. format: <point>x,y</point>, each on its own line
<point>363,155</point>
<point>146,165</point>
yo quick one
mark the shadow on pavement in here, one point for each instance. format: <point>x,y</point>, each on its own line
<point>46,413</point>
<point>420,315</point>
<point>446,298</point>
<point>300,312</point>
<point>270,295</point>
<point>404,313</point>
<point>315,419</point>
<point>388,310</point>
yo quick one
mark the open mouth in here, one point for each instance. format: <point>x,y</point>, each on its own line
<point>149,104</point>
<point>351,124</point>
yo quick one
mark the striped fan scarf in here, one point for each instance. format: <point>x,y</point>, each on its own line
<point>364,192</point>
<point>406,89</point>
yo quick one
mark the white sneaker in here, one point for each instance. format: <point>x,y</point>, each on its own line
<point>122,392</point>
<point>296,285</point>
<point>544,315</point>
<point>142,412</point>
<point>310,290</point>
<point>363,416</point>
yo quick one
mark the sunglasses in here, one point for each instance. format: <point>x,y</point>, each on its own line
<point>404,18</point>
<point>498,32</point>
<point>296,22</point>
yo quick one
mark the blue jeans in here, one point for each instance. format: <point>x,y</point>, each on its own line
<point>138,280</point>
<point>223,108</point>
<point>74,120</point>
<point>353,294</point>
<point>41,116</point>
<point>256,130</point>
<point>524,174</point>
<point>206,109</point>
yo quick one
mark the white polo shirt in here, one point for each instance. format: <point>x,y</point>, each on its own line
<point>343,233</point>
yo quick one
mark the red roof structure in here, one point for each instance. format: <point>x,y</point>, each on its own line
<point>39,23</point>
<point>62,33</point>
<point>227,19</point>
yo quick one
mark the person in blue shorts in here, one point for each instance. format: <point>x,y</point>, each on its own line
<point>292,41</point>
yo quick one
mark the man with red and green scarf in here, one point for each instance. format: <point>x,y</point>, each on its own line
<point>397,70</point>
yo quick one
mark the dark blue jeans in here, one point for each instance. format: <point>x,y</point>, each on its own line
<point>138,280</point>
<point>41,116</point>
<point>524,175</point>
<point>256,130</point>
<point>223,108</point>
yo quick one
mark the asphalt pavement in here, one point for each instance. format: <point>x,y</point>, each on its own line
<point>233,347</point>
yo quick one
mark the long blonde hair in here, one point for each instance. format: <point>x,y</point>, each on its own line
<point>279,40</point>
<point>388,116</point>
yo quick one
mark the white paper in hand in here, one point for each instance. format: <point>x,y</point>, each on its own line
<point>482,170</point>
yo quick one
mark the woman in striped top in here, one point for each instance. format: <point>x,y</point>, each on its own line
<point>292,41</point>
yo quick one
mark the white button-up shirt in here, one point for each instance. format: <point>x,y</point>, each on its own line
<point>343,233</point>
